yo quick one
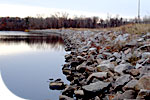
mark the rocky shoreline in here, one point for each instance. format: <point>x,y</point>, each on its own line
<point>105,65</point>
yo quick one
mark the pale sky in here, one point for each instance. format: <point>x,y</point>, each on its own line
<point>100,8</point>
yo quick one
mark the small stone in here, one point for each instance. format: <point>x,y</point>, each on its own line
<point>121,81</point>
<point>66,71</point>
<point>127,51</point>
<point>146,55</point>
<point>79,93</point>
<point>143,83</point>
<point>117,55</point>
<point>81,68</point>
<point>130,85</point>
<point>134,72</point>
<point>64,97</point>
<point>98,75</point>
<point>122,67</point>
<point>56,85</point>
<point>144,94</point>
<point>129,94</point>
<point>105,67</point>
<point>69,91</point>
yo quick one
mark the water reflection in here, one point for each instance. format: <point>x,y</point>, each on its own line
<point>35,41</point>
<point>26,73</point>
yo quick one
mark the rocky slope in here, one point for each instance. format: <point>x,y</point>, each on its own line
<point>106,65</point>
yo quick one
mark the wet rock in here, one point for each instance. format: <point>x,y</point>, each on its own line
<point>143,83</point>
<point>79,93</point>
<point>56,85</point>
<point>98,75</point>
<point>66,71</point>
<point>144,94</point>
<point>64,97</point>
<point>121,81</point>
<point>129,94</point>
<point>81,68</point>
<point>69,91</point>
<point>130,85</point>
<point>93,88</point>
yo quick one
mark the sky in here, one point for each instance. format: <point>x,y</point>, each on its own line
<point>88,8</point>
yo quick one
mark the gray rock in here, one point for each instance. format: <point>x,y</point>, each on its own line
<point>64,97</point>
<point>121,81</point>
<point>106,67</point>
<point>107,54</point>
<point>95,87</point>
<point>130,85</point>
<point>143,83</point>
<point>144,94</point>
<point>129,94</point>
<point>117,55</point>
<point>146,55</point>
<point>98,75</point>
<point>122,67</point>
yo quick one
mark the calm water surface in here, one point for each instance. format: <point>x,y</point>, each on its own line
<point>28,61</point>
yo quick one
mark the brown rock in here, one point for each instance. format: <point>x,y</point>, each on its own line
<point>143,83</point>
<point>134,72</point>
<point>64,97</point>
<point>129,94</point>
<point>130,85</point>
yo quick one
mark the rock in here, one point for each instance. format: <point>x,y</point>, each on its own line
<point>66,71</point>
<point>107,54</point>
<point>98,75</point>
<point>64,97</point>
<point>129,94</point>
<point>144,47</point>
<point>146,55</point>
<point>122,67</point>
<point>130,85</point>
<point>121,81</point>
<point>127,51</point>
<point>56,85</point>
<point>93,88</point>
<point>79,93</point>
<point>97,98</point>
<point>117,55</point>
<point>81,68</point>
<point>69,91</point>
<point>143,83</point>
<point>134,72</point>
<point>105,67</point>
<point>92,49</point>
<point>144,94</point>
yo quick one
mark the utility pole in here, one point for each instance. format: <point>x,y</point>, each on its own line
<point>139,4</point>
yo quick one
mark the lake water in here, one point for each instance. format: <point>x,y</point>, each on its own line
<point>27,62</point>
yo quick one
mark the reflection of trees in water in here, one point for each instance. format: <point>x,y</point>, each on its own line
<point>35,41</point>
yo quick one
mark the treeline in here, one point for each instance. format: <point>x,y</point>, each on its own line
<point>56,21</point>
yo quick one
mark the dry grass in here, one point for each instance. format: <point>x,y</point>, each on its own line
<point>134,28</point>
